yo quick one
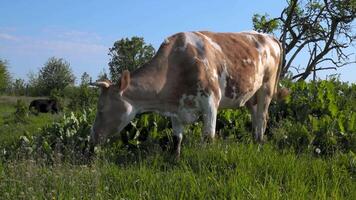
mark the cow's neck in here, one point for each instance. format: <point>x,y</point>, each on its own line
<point>144,91</point>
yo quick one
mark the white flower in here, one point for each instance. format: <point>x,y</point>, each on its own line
<point>317,150</point>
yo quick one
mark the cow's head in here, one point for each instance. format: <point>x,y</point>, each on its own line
<point>114,111</point>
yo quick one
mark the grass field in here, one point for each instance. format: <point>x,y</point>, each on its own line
<point>225,169</point>
<point>10,132</point>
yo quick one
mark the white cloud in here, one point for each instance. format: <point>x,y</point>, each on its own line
<point>28,51</point>
<point>9,37</point>
<point>55,42</point>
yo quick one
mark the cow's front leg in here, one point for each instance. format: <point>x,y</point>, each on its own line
<point>209,120</point>
<point>177,135</point>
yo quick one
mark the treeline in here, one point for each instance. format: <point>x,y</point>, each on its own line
<point>55,75</point>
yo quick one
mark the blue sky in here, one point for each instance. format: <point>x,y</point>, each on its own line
<point>81,32</point>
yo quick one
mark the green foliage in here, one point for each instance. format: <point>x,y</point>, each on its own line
<point>55,74</point>
<point>323,112</point>
<point>234,123</point>
<point>34,87</point>
<point>311,150</point>
<point>292,135</point>
<point>262,23</point>
<point>85,79</point>
<point>305,26</point>
<point>21,112</point>
<point>82,97</point>
<point>5,78</point>
<point>11,129</point>
<point>103,75</point>
<point>58,96</point>
<point>129,54</point>
<point>66,139</point>
<point>20,115</point>
<point>18,87</point>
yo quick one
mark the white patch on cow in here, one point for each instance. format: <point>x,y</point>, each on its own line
<point>275,46</point>
<point>251,79</point>
<point>209,109</point>
<point>194,40</point>
<point>166,41</point>
<point>167,114</point>
<point>238,99</point>
<point>211,42</point>
<point>222,80</point>
<point>247,61</point>
<point>222,85</point>
<point>259,74</point>
<point>251,32</point>
<point>206,63</point>
<point>214,74</point>
<point>127,116</point>
<point>251,36</point>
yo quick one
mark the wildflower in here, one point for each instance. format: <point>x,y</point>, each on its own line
<point>317,150</point>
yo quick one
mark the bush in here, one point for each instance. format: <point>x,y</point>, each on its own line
<point>322,111</point>
<point>64,140</point>
<point>292,135</point>
<point>20,115</point>
<point>82,97</point>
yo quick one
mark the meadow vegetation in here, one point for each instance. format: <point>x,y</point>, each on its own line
<point>309,153</point>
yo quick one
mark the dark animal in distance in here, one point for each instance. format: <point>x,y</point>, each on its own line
<point>44,106</point>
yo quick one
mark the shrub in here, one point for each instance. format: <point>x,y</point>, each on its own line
<point>82,98</point>
<point>67,139</point>
<point>322,111</point>
<point>20,115</point>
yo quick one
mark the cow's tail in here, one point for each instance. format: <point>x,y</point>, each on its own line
<point>280,92</point>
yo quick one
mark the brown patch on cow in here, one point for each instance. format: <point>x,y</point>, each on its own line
<point>237,49</point>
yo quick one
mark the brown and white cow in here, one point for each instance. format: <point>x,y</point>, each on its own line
<point>192,74</point>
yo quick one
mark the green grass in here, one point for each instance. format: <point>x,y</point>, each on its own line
<point>10,132</point>
<point>224,170</point>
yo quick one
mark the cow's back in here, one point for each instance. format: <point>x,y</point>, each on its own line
<point>232,66</point>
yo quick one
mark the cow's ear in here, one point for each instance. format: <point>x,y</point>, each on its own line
<point>125,81</point>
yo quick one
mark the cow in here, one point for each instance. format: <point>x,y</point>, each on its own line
<point>194,74</point>
<point>44,106</point>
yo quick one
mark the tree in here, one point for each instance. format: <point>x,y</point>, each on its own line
<point>321,28</point>
<point>55,74</point>
<point>129,54</point>
<point>19,87</point>
<point>85,79</point>
<point>5,78</point>
<point>34,88</point>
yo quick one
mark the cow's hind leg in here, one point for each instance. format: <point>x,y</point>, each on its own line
<point>177,135</point>
<point>252,106</point>
<point>264,97</point>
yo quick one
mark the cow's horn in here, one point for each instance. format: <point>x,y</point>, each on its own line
<point>103,84</point>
